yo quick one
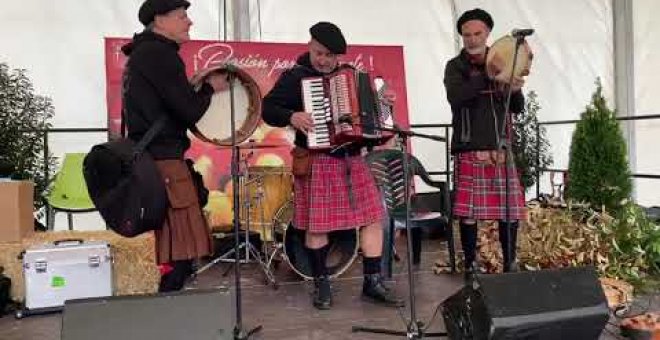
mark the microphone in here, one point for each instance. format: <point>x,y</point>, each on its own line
<point>230,67</point>
<point>522,32</point>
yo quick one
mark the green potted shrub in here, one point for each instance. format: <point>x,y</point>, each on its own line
<point>598,170</point>
<point>531,150</point>
<point>24,116</point>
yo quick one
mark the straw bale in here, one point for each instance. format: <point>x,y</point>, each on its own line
<point>134,266</point>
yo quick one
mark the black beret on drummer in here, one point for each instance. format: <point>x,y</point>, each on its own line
<point>150,8</point>
<point>475,14</point>
<point>330,36</point>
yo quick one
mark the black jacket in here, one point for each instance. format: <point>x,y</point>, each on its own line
<point>155,84</point>
<point>476,117</point>
<point>285,97</point>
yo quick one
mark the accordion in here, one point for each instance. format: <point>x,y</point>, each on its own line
<point>345,110</point>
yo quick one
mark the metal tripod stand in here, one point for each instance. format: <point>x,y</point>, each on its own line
<point>251,253</point>
<point>415,329</point>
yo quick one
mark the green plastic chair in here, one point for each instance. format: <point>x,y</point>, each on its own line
<point>69,191</point>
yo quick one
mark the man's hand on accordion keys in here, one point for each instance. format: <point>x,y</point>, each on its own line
<point>302,121</point>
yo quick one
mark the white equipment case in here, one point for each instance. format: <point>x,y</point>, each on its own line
<point>64,270</point>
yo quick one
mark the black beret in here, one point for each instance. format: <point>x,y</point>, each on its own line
<point>151,8</point>
<point>330,36</point>
<point>475,14</point>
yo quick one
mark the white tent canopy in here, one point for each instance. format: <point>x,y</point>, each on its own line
<point>60,43</point>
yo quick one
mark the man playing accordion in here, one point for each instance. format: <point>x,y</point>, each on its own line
<point>334,189</point>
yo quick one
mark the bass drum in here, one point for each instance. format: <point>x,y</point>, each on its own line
<point>343,245</point>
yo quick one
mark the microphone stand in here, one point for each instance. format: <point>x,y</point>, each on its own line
<point>505,145</point>
<point>239,333</point>
<point>415,329</point>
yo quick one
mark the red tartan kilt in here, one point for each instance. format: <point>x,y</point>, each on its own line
<point>481,190</point>
<point>322,201</point>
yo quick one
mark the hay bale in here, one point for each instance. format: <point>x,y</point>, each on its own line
<point>9,252</point>
<point>134,265</point>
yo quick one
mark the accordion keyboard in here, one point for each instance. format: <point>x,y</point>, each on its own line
<point>318,105</point>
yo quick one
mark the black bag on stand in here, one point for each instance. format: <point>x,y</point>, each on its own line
<point>125,184</point>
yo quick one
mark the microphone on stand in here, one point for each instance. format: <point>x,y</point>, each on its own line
<point>522,32</point>
<point>394,127</point>
<point>231,67</point>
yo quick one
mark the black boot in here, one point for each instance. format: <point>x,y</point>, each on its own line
<point>322,298</point>
<point>374,290</point>
<point>322,293</point>
<point>469,244</point>
<point>510,264</point>
<point>175,279</point>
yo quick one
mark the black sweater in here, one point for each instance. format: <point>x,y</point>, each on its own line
<point>285,97</point>
<point>155,84</point>
<point>476,116</point>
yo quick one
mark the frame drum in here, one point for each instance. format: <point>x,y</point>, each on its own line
<point>215,125</point>
<point>500,57</point>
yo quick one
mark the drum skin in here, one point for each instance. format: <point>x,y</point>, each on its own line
<point>499,61</point>
<point>343,244</point>
<point>215,125</point>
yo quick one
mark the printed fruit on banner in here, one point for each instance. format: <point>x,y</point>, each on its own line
<point>227,188</point>
<point>280,135</point>
<point>269,159</point>
<point>261,131</point>
<point>204,165</point>
<point>219,208</point>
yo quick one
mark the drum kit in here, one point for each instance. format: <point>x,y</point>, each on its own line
<point>265,193</point>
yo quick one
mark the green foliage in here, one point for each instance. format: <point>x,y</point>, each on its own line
<point>24,116</point>
<point>635,245</point>
<point>531,151</point>
<point>598,171</point>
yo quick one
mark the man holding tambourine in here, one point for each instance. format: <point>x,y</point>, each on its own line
<point>477,82</point>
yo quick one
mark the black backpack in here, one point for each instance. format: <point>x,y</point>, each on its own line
<point>125,184</point>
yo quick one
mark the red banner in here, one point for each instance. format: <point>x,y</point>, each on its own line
<point>263,62</point>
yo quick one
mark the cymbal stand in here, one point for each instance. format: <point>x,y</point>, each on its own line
<point>246,245</point>
<point>278,246</point>
<point>259,197</point>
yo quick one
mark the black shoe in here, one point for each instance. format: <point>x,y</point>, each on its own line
<point>322,293</point>
<point>374,290</point>
<point>511,267</point>
<point>470,272</point>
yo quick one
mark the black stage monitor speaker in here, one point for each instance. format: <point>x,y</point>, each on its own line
<point>548,304</point>
<point>193,314</point>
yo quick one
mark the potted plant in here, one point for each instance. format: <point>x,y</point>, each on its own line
<point>24,117</point>
<point>531,150</point>
<point>598,169</point>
